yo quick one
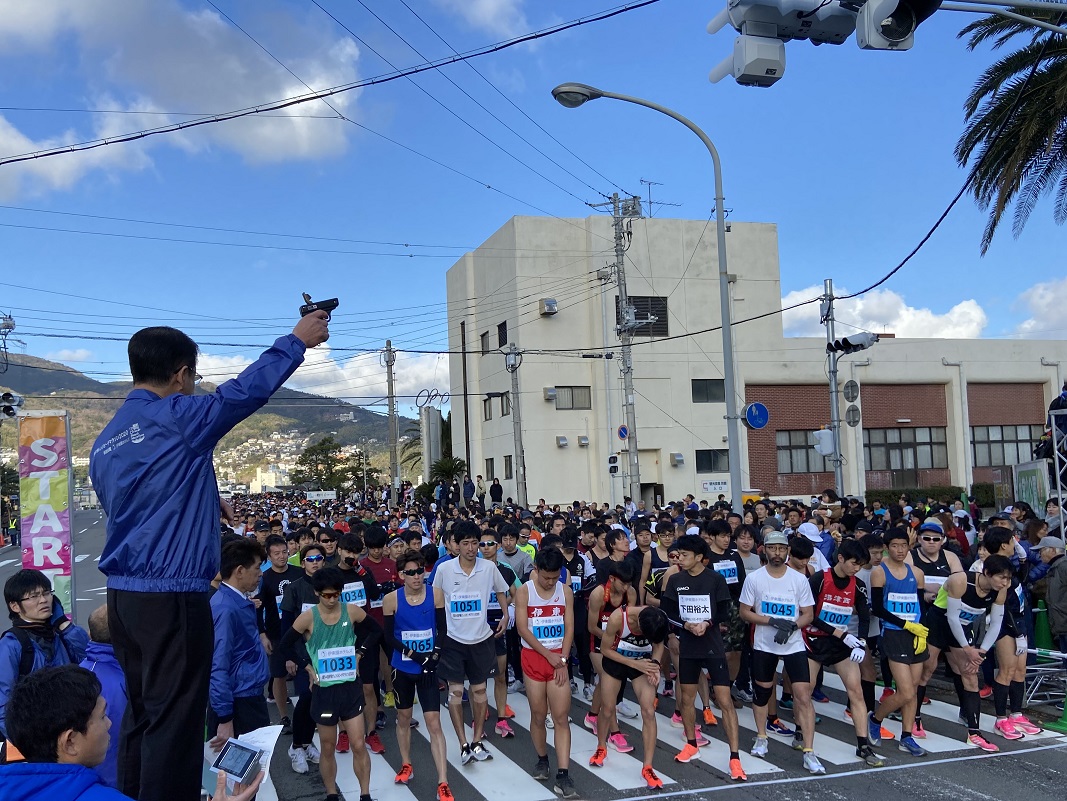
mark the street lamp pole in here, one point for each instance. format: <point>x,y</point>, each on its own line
<point>572,95</point>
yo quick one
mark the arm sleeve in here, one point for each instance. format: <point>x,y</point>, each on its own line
<point>293,645</point>
<point>221,689</point>
<point>863,610</point>
<point>389,636</point>
<point>992,632</point>
<point>369,634</point>
<point>954,622</point>
<point>878,607</point>
<point>440,617</point>
<point>668,602</point>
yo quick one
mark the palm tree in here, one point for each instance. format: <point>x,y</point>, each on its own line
<point>448,469</point>
<point>1016,132</point>
<point>411,451</point>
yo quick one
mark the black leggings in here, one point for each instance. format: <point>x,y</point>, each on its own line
<point>303,725</point>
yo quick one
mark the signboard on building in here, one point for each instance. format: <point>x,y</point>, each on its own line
<point>323,495</point>
<point>1003,487</point>
<point>1031,483</point>
<point>714,487</point>
<point>46,488</point>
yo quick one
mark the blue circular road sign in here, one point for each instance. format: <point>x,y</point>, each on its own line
<point>757,415</point>
<point>624,432</point>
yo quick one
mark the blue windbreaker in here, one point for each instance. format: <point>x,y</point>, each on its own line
<point>34,781</point>
<point>68,648</point>
<point>239,667</point>
<point>151,468</point>
<point>100,659</point>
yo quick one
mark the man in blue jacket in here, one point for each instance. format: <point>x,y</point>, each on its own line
<point>152,470</point>
<point>40,636</point>
<point>100,659</point>
<point>239,666</point>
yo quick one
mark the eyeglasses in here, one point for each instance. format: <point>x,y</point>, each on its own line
<point>37,596</point>
<point>197,378</point>
<point>932,539</point>
<point>417,571</point>
<point>325,540</point>
<point>318,558</point>
<point>329,595</point>
<point>487,543</point>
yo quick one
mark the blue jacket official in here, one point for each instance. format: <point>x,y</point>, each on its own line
<point>239,666</point>
<point>100,659</point>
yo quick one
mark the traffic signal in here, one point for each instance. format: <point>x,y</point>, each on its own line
<point>824,441</point>
<point>852,343</point>
<point>10,403</point>
<point>613,463</point>
<point>891,24</point>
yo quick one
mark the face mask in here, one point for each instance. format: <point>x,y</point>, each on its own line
<point>350,560</point>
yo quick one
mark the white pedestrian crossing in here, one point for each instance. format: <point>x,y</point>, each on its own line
<point>828,749</point>
<point>382,787</point>
<point>717,752</point>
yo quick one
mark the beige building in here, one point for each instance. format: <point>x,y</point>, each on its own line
<point>934,412</point>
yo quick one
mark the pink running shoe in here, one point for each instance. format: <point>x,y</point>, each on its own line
<point>1024,724</point>
<point>982,742</point>
<point>1006,729</point>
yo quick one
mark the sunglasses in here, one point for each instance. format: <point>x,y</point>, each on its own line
<point>325,540</point>
<point>416,571</point>
<point>487,543</point>
<point>318,558</point>
<point>329,595</point>
<point>932,539</point>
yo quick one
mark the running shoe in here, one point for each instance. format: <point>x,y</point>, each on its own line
<point>405,775</point>
<point>287,725</point>
<point>342,742</point>
<point>910,746</point>
<point>874,731</point>
<point>379,720</point>
<point>509,713</point>
<point>653,781</point>
<point>819,696</point>
<point>299,759</point>
<point>1006,729</point>
<point>587,691</point>
<point>590,722</point>
<point>886,692</point>
<point>687,754</point>
<point>1024,724</point>
<point>619,743</point>
<point>676,720</point>
<point>465,754</point>
<point>574,686</point>
<point>515,686</point>
<point>444,793</point>
<point>480,752</point>
<point>503,729</point>
<point>627,710</point>
<point>866,753</point>
<point>598,757</point>
<point>982,742</point>
<point>887,735</point>
<point>375,744</point>
<point>668,688</point>
<point>812,764</point>
<point>565,787</point>
<point>313,754</point>
<point>786,703</point>
<point>919,733</point>
<point>390,701</point>
<point>985,692</point>
<point>541,769</point>
<point>549,723</point>
<point>737,773</point>
<point>709,717</point>
<point>777,727</point>
<point>701,739</point>
<point>798,741</point>
<point>741,694</point>
<point>759,747</point>
<point>927,702</point>
<point>896,715</point>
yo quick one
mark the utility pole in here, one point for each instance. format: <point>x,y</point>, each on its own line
<point>394,465</point>
<point>835,406</point>
<point>512,362</point>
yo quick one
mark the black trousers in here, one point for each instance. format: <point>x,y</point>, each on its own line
<point>249,714</point>
<point>163,641</point>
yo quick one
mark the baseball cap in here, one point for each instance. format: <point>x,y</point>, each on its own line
<point>776,538</point>
<point>959,513</point>
<point>1050,542</point>
<point>864,526</point>
<point>261,525</point>
<point>809,530</point>
<point>930,524</point>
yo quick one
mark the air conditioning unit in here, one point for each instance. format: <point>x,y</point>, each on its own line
<point>550,394</point>
<point>561,442</point>
<point>677,459</point>
<point>583,441</point>
<point>547,307</point>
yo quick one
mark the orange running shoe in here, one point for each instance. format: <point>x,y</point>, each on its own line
<point>509,713</point>
<point>443,793</point>
<point>653,781</point>
<point>709,717</point>
<point>405,775</point>
<point>737,773</point>
<point>687,754</point>
<point>598,757</point>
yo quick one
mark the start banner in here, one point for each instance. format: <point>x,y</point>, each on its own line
<point>46,486</point>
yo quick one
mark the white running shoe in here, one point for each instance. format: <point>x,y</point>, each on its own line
<point>627,710</point>
<point>313,754</point>
<point>299,758</point>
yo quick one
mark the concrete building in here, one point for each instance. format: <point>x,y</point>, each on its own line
<point>933,412</point>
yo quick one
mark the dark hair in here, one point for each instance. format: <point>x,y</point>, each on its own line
<point>47,703</point>
<point>311,546</point>
<point>375,537</point>
<point>430,554</point>
<point>870,541</point>
<point>492,533</point>
<point>664,528</point>
<point>551,542</point>
<point>693,544</point>
<point>352,543</point>
<point>613,536</point>
<point>240,553</point>
<point>855,551</point>
<point>157,353</point>
<point>272,540</point>
<point>996,538</point>
<point>801,547</point>
<point>640,525</point>
<point>465,530</point>
<point>508,530</point>
<point>624,571</point>
<point>895,533</point>
<point>716,527</point>
<point>549,559</point>
<point>22,583</point>
<point>752,531</point>
<point>653,623</point>
<point>329,578</point>
<point>410,555</point>
<point>995,565</point>
<point>305,531</point>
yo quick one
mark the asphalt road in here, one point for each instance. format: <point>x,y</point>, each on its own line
<point>89,583</point>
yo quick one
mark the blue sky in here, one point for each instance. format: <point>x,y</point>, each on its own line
<point>851,154</point>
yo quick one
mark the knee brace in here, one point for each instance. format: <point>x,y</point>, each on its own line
<point>761,695</point>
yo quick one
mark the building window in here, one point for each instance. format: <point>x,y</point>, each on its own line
<point>507,468</point>
<point>796,453</point>
<point>646,306</point>
<point>505,404</point>
<point>905,448</point>
<point>502,334</point>
<point>490,470</point>
<point>709,390</point>
<point>713,461</point>
<point>487,408</point>
<point>574,398</point>
<point>1002,446</point>
<point>485,342</point>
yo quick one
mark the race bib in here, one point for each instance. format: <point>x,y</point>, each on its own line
<point>779,606</point>
<point>633,651</point>
<point>465,606</point>
<point>377,604</point>
<point>694,608</point>
<point>337,664</point>
<point>727,569</point>
<point>305,607</point>
<point>933,583</point>
<point>354,593</point>
<point>548,631</point>
<point>494,604</point>
<point>421,642</point>
<point>969,614</point>
<point>576,583</point>
<point>904,605</point>
<point>835,615</point>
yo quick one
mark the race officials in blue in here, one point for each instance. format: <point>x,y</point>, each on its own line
<point>239,667</point>
<point>152,469</point>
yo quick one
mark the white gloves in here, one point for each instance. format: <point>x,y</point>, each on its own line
<point>511,616</point>
<point>857,654</point>
<point>852,641</point>
<point>1020,646</point>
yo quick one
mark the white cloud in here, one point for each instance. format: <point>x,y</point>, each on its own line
<point>1044,303</point>
<point>500,17</point>
<point>69,355</point>
<point>155,55</point>
<point>362,378</point>
<point>883,310</point>
<point>215,369</point>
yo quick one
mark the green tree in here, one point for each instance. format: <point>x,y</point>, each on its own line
<point>410,455</point>
<point>9,480</point>
<point>446,434</point>
<point>447,469</point>
<point>1015,138</point>
<point>324,465</point>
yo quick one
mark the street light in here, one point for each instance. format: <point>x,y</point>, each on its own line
<point>572,95</point>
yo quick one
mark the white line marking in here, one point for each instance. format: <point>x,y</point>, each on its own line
<point>83,531</point>
<point>81,557</point>
<point>717,753</point>
<point>382,786</point>
<point>7,562</point>
<point>827,748</point>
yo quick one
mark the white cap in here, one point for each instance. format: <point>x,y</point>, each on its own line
<point>811,531</point>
